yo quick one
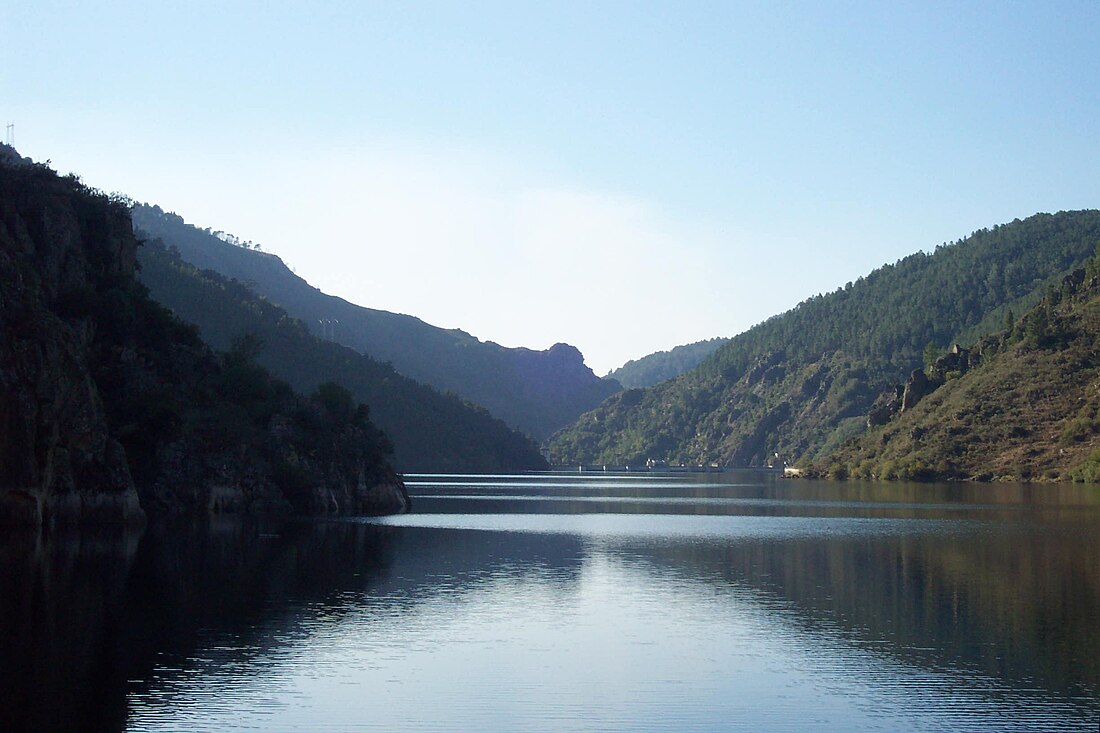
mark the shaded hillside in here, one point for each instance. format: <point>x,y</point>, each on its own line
<point>662,365</point>
<point>534,391</point>
<point>431,432</point>
<point>801,383</point>
<point>1023,404</point>
<point>111,408</point>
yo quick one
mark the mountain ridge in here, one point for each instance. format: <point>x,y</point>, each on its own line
<point>430,431</point>
<point>537,392</point>
<point>799,384</point>
<point>1019,405</point>
<point>648,370</point>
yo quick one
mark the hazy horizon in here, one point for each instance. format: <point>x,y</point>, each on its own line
<point>625,178</point>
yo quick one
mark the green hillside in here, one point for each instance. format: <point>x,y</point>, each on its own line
<point>1028,408</point>
<point>801,383</point>
<point>536,392</point>
<point>430,431</point>
<point>662,365</point>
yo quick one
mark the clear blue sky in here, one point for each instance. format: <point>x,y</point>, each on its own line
<point>621,176</point>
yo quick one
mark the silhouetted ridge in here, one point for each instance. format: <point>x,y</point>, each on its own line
<point>112,408</point>
<point>533,391</point>
<point>431,432</point>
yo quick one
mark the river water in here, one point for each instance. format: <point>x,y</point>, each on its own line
<point>574,602</point>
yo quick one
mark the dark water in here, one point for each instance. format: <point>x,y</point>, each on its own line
<point>578,603</point>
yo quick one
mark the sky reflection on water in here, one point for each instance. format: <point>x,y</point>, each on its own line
<point>803,607</point>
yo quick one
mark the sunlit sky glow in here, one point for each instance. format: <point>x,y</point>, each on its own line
<point>624,177</point>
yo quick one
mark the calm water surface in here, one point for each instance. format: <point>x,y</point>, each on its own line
<point>574,603</point>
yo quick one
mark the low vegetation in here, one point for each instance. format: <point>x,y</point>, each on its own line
<point>1029,410</point>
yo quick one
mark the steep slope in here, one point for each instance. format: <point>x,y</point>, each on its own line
<point>431,432</point>
<point>1023,404</point>
<point>661,365</point>
<point>534,391</point>
<point>59,459</point>
<point>800,384</point>
<point>110,408</point>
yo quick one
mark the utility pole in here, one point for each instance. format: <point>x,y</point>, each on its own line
<point>9,135</point>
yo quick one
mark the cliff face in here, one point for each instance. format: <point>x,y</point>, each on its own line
<point>58,459</point>
<point>111,408</point>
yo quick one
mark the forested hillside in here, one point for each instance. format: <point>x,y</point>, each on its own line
<point>430,431</point>
<point>537,392</point>
<point>801,383</point>
<point>1023,404</point>
<point>662,365</point>
<point>112,409</point>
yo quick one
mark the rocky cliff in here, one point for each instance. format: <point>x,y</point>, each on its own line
<point>59,461</point>
<point>110,408</point>
<point>922,383</point>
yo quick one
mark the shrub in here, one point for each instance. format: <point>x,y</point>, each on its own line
<point>1089,471</point>
<point>1077,430</point>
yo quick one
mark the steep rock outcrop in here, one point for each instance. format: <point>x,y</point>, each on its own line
<point>916,387</point>
<point>922,383</point>
<point>59,462</point>
<point>885,406</point>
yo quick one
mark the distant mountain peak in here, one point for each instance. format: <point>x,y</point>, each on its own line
<point>566,352</point>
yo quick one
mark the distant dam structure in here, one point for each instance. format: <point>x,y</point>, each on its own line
<point>775,465</point>
<point>639,468</point>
